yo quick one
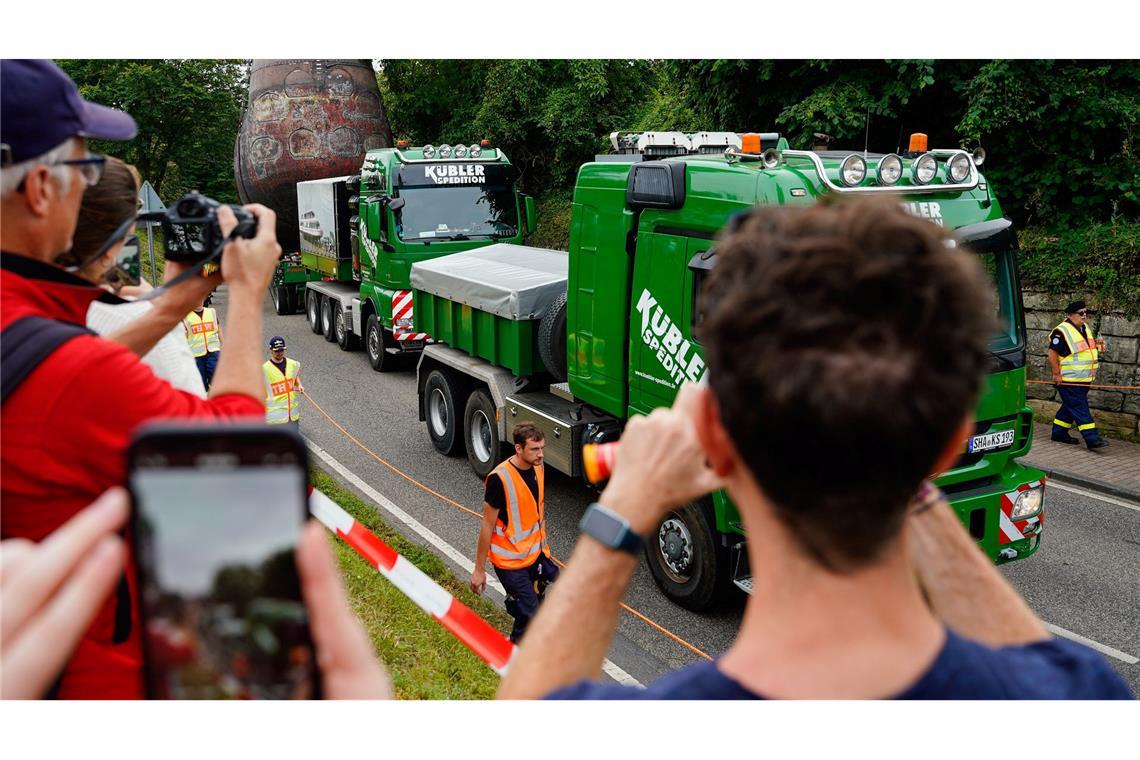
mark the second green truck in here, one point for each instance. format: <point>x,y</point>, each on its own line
<point>580,341</point>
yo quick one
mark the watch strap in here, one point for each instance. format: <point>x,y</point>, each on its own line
<point>626,538</point>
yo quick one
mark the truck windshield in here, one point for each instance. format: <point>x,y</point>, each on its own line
<point>999,267</point>
<point>456,201</point>
<point>457,212</point>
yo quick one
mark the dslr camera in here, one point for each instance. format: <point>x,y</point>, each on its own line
<point>190,227</point>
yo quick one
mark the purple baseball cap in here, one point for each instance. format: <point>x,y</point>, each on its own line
<point>40,108</point>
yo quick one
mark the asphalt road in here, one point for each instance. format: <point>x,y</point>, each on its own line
<point>1085,579</point>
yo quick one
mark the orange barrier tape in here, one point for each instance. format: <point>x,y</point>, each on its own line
<point>456,504</point>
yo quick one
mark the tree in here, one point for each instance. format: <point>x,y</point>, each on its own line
<point>188,113</point>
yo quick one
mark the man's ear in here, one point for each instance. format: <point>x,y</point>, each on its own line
<point>954,448</point>
<point>39,192</point>
<point>712,435</point>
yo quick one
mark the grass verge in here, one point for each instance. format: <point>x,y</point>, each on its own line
<point>425,660</point>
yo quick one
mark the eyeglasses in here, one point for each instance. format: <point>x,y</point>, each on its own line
<point>90,168</point>
<point>1083,312</point>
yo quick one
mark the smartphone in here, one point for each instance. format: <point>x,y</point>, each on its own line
<point>216,518</point>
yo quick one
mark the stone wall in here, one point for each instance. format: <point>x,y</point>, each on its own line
<point>1119,362</point>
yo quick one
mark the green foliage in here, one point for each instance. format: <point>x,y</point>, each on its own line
<point>553,230</point>
<point>550,116</point>
<point>1101,260</point>
<point>188,113</point>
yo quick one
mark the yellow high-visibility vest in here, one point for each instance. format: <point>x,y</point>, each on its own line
<point>282,399</point>
<point>1081,363</point>
<point>202,332</point>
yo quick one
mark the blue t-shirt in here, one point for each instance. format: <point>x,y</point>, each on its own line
<point>964,669</point>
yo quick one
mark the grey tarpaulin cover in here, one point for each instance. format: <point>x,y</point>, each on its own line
<point>511,281</point>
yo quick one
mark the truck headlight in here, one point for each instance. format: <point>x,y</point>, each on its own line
<point>853,170</point>
<point>890,169</point>
<point>474,151</point>
<point>925,167</point>
<point>403,323</point>
<point>429,151</point>
<point>445,151</point>
<point>958,168</point>
<point>460,151</point>
<point>1028,504</point>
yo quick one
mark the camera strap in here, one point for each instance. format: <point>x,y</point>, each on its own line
<point>196,271</point>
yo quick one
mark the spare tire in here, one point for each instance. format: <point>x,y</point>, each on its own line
<point>552,338</point>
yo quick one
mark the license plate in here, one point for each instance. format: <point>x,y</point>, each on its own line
<point>990,441</point>
<point>411,345</point>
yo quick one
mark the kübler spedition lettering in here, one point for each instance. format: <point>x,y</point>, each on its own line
<point>456,174</point>
<point>662,335</point>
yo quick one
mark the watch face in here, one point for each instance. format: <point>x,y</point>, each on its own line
<point>604,528</point>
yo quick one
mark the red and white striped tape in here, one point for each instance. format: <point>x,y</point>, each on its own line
<point>402,308</point>
<point>476,633</point>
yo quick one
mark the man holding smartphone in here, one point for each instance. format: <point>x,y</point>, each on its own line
<point>70,417</point>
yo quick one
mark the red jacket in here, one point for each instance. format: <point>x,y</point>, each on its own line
<point>65,432</point>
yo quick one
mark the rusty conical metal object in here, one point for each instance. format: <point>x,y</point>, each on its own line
<point>305,119</point>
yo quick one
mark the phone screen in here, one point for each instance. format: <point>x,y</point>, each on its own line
<point>216,521</point>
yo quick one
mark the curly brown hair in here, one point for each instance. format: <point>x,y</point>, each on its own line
<point>846,342</point>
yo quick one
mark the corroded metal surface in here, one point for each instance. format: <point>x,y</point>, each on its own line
<point>305,119</point>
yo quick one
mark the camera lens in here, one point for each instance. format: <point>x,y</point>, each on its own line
<point>189,207</point>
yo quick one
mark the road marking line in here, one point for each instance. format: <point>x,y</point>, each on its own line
<point>1102,648</point>
<point>1080,491</point>
<point>428,535</point>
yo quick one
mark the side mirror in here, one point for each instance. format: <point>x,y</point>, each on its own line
<point>373,218</point>
<point>396,203</point>
<point>530,220</point>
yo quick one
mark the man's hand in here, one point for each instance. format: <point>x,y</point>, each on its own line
<point>660,463</point>
<point>348,664</point>
<point>249,264</point>
<point>1057,379</point>
<point>479,580</point>
<point>51,591</point>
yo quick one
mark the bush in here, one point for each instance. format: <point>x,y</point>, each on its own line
<point>1100,260</point>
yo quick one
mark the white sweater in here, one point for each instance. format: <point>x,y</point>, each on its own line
<point>170,358</point>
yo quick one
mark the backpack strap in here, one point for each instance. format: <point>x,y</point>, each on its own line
<point>25,343</point>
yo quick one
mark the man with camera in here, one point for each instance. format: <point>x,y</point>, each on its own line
<point>857,327</point>
<point>71,407</point>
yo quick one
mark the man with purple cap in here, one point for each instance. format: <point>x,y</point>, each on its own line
<point>72,400</point>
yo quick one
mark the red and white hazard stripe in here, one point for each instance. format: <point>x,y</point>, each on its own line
<point>402,309</point>
<point>1015,531</point>
<point>476,633</point>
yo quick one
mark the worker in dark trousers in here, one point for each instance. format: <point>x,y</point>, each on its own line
<point>514,531</point>
<point>1073,356</point>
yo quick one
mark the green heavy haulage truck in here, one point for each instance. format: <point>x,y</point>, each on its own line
<point>360,236</point>
<point>580,341</point>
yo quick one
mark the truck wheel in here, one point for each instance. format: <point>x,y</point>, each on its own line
<point>282,304</point>
<point>313,310</point>
<point>481,434</point>
<point>685,557</point>
<point>374,342</point>
<point>344,337</point>
<point>552,338</point>
<point>328,328</point>
<point>441,412</point>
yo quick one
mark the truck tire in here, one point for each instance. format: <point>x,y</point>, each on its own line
<point>329,307</point>
<point>552,339</point>
<point>344,337</point>
<point>481,433</point>
<point>686,559</point>
<point>282,303</point>
<point>375,341</point>
<point>441,412</point>
<point>313,310</point>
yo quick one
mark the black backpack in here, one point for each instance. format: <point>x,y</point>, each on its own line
<point>24,344</point>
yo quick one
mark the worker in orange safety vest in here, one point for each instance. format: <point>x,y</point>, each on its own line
<point>513,533</point>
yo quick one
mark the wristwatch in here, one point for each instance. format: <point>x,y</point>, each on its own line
<point>611,529</point>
